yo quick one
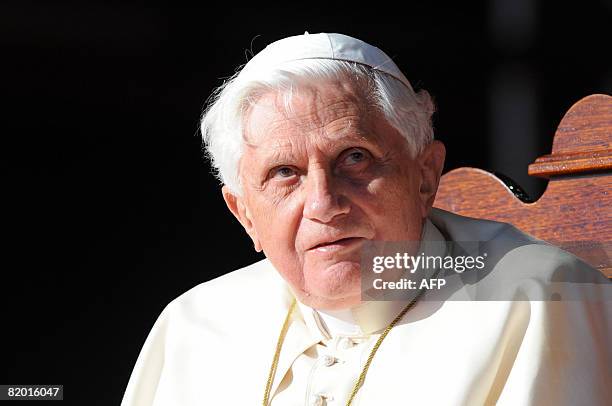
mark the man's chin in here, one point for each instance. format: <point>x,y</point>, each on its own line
<point>335,282</point>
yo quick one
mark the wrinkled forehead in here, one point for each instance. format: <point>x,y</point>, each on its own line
<point>328,109</point>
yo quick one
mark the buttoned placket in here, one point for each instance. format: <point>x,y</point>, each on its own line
<point>339,363</point>
<point>318,398</point>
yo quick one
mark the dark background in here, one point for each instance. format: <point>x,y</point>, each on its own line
<point>109,210</point>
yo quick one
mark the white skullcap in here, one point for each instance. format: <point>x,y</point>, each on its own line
<point>321,46</point>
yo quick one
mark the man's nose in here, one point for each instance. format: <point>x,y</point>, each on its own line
<point>323,200</point>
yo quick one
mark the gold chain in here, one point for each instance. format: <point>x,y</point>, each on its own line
<point>279,344</point>
<point>365,368</point>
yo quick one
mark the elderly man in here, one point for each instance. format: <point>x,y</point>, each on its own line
<point>324,148</point>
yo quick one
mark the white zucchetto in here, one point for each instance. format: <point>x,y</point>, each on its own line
<point>321,46</point>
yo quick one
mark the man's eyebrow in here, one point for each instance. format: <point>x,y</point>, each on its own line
<point>352,134</point>
<point>279,156</point>
<point>348,136</point>
<point>356,130</point>
<point>283,155</point>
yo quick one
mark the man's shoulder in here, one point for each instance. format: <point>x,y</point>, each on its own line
<point>456,227</point>
<point>241,280</point>
<point>249,288</point>
<point>550,264</point>
<point>514,260</point>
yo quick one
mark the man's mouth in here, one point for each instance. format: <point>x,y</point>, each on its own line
<point>337,244</point>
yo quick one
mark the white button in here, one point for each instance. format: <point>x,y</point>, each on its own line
<point>328,360</point>
<point>346,343</point>
<point>317,400</point>
<point>321,399</point>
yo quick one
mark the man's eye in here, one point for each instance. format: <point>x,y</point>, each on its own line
<point>283,172</point>
<point>354,156</point>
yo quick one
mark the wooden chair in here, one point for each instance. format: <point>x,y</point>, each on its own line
<point>575,211</point>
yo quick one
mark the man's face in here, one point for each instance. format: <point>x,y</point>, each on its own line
<point>319,180</point>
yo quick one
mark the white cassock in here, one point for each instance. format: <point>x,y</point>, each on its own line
<point>214,344</point>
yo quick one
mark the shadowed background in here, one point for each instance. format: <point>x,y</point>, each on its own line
<point>110,211</point>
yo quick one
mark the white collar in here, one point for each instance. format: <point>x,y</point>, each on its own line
<point>370,316</point>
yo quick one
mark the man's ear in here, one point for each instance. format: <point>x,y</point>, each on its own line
<point>236,205</point>
<point>431,162</point>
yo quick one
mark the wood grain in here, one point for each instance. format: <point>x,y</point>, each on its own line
<point>582,142</point>
<point>574,212</point>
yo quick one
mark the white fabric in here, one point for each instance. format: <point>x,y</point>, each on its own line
<point>320,46</point>
<point>214,344</point>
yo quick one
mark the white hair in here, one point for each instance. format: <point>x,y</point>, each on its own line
<point>224,118</point>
